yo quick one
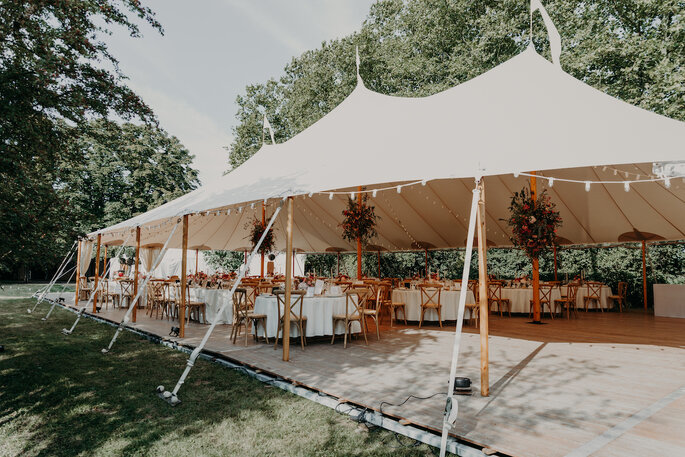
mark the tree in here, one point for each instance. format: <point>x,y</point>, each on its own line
<point>54,70</point>
<point>123,170</point>
<point>226,261</point>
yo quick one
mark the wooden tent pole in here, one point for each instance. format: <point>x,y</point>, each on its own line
<point>78,272</point>
<point>104,263</point>
<point>197,253</point>
<point>426,251</point>
<point>97,274</point>
<point>555,262</point>
<point>644,272</point>
<point>184,278</point>
<point>293,263</point>
<point>359,241</point>
<point>261,274</point>
<point>536,262</point>
<point>483,295</point>
<point>337,268</point>
<point>135,276</point>
<point>288,282</point>
<point>379,264</point>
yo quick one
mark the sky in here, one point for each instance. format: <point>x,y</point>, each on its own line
<point>211,50</point>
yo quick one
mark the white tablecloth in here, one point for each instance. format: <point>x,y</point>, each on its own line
<point>669,300</point>
<point>319,312</point>
<point>213,300</point>
<point>520,297</point>
<point>449,300</point>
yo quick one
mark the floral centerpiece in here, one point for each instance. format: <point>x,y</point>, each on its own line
<point>256,232</point>
<point>359,221</point>
<point>534,223</point>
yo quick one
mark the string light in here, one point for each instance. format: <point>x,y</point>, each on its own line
<point>330,196</point>
<point>626,186</point>
<point>352,195</point>
<point>516,174</point>
<point>551,182</point>
<point>423,182</point>
<point>399,189</point>
<point>252,206</point>
<point>310,194</point>
<point>587,186</point>
<point>667,183</point>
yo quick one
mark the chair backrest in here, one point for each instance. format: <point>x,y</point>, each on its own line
<point>381,296</point>
<point>594,289</point>
<point>355,301</point>
<point>126,287</point>
<point>546,292</point>
<point>296,299</point>
<point>623,289</point>
<point>473,287</point>
<point>430,293</point>
<point>345,285</point>
<point>240,305</point>
<point>572,292</point>
<point>82,282</point>
<point>494,290</point>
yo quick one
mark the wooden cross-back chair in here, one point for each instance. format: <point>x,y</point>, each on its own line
<point>265,288</point>
<point>109,293</point>
<point>545,299</point>
<point>594,291</point>
<point>84,288</point>
<point>620,297</point>
<point>355,303</point>
<point>374,308</point>
<point>495,297</point>
<point>156,298</point>
<point>568,302</point>
<point>430,299</point>
<point>194,308</point>
<point>244,316</point>
<point>296,316</point>
<point>126,292</point>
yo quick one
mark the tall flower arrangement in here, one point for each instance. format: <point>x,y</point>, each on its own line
<point>534,223</point>
<point>256,233</point>
<point>359,221</point>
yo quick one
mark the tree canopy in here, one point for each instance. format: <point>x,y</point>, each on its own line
<point>57,77</point>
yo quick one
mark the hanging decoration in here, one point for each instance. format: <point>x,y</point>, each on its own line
<point>534,223</point>
<point>256,232</point>
<point>359,220</point>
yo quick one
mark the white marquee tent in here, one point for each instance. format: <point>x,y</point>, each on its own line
<point>526,114</point>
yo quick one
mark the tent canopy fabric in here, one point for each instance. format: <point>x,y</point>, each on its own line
<point>526,114</point>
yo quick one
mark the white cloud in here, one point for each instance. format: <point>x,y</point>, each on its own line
<point>198,132</point>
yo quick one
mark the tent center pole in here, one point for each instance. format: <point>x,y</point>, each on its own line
<point>184,278</point>
<point>134,304</point>
<point>483,295</point>
<point>536,261</point>
<point>97,274</point>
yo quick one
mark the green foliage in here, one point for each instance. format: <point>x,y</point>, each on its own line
<point>533,222</point>
<point>123,170</point>
<point>359,221</point>
<point>257,228</point>
<point>54,71</point>
<point>225,261</point>
<point>634,51</point>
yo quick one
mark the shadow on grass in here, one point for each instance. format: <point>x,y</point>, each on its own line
<point>60,396</point>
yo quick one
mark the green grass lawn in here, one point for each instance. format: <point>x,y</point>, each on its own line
<point>20,289</point>
<point>60,396</point>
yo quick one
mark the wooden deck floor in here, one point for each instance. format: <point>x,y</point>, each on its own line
<point>554,388</point>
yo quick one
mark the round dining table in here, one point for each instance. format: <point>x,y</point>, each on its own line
<point>319,310</point>
<point>449,299</point>
<point>520,297</point>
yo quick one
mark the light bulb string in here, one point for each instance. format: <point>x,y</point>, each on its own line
<point>587,181</point>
